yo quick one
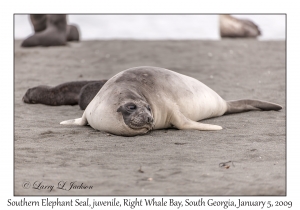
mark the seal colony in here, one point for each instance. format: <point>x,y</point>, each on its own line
<point>141,99</point>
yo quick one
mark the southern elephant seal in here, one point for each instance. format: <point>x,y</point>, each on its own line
<point>140,99</point>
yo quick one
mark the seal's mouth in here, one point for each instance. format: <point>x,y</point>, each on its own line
<point>142,125</point>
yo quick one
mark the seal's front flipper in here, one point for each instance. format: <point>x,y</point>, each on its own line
<point>183,123</point>
<point>78,121</point>
<point>248,105</point>
<point>192,125</point>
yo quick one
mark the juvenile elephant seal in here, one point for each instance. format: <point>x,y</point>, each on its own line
<point>140,99</point>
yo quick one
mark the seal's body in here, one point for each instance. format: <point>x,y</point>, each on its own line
<point>140,99</point>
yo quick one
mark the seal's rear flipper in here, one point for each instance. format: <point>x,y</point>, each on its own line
<point>248,105</point>
<point>78,121</point>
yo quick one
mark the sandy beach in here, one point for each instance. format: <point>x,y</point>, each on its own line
<point>162,162</point>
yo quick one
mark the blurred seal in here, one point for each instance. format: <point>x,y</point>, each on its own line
<point>237,28</point>
<point>50,30</point>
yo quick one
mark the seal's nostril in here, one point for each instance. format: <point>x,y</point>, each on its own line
<point>149,119</point>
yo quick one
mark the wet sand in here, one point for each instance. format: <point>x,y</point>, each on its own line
<point>172,162</point>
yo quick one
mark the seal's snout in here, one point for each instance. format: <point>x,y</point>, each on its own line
<point>149,119</point>
<point>150,122</point>
<point>25,99</point>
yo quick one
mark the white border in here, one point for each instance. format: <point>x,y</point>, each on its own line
<point>170,6</point>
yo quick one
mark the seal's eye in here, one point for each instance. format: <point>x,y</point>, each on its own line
<point>131,107</point>
<point>148,107</point>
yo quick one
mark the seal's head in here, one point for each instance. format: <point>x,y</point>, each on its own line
<point>35,95</point>
<point>137,115</point>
